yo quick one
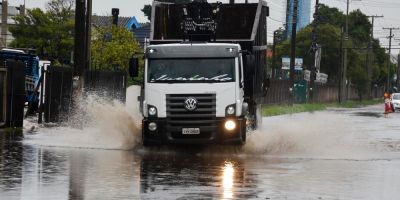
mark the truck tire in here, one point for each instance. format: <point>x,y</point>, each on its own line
<point>255,117</point>
<point>243,136</point>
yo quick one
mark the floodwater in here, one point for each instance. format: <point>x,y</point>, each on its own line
<point>334,154</point>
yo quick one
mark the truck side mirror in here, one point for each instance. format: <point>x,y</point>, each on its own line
<point>134,67</point>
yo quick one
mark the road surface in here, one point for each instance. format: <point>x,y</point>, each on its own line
<point>334,154</point>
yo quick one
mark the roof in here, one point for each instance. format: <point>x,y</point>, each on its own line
<point>142,33</point>
<point>127,22</point>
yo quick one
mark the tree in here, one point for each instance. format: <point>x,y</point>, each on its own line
<point>112,47</point>
<point>331,21</point>
<point>329,36</point>
<point>332,16</point>
<point>147,8</point>
<point>49,33</point>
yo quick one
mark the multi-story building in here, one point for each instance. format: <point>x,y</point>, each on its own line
<point>7,14</point>
<point>303,15</point>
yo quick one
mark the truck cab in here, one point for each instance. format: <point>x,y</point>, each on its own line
<point>194,93</point>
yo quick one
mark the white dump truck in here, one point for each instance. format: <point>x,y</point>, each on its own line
<point>205,72</point>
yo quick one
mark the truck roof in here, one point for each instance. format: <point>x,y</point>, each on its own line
<point>194,44</point>
<point>192,50</point>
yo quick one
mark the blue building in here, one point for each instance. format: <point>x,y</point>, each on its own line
<point>303,15</point>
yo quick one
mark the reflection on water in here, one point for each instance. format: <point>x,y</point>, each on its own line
<point>228,172</point>
<point>190,176</point>
<point>30,172</point>
<point>297,165</point>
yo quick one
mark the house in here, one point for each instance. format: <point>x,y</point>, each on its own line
<point>141,31</point>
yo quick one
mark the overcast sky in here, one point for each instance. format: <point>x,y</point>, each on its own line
<point>389,8</point>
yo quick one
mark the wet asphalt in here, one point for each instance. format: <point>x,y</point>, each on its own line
<point>333,154</point>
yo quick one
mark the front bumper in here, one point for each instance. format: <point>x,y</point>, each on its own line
<point>217,134</point>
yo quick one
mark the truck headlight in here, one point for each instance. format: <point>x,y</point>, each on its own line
<point>230,125</point>
<point>230,110</point>
<point>152,111</point>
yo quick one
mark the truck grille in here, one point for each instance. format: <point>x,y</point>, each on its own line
<point>202,117</point>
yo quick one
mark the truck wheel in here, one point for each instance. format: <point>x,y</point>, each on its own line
<point>255,117</point>
<point>243,136</point>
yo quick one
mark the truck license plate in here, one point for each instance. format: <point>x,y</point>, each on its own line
<point>190,131</point>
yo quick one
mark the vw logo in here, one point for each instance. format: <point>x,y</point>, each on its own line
<point>191,104</point>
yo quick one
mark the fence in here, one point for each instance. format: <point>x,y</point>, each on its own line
<point>278,93</point>
<point>58,93</point>
<point>12,93</point>
<point>58,90</point>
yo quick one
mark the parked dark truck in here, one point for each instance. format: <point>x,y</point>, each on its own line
<point>205,72</point>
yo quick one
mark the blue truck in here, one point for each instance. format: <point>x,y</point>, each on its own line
<point>31,71</point>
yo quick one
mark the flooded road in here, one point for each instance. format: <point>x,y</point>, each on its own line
<point>334,154</point>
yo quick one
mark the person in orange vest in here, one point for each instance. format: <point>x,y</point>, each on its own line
<point>388,107</point>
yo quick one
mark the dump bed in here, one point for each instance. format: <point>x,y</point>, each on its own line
<point>236,23</point>
<point>242,23</point>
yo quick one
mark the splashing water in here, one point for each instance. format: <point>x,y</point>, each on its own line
<point>321,133</point>
<point>113,125</point>
<point>104,124</point>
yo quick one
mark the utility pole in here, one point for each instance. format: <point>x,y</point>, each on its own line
<point>277,40</point>
<point>80,26</point>
<point>313,50</point>
<point>82,36</point>
<point>341,79</point>
<point>398,67</point>
<point>293,51</point>
<point>273,56</point>
<point>370,55</point>
<point>390,48</point>
<point>88,33</point>
<point>4,23</point>
<point>83,13</point>
<point>115,13</point>
<point>344,72</point>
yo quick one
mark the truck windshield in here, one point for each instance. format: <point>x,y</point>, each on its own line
<point>193,70</point>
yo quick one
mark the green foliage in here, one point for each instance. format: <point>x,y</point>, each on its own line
<point>331,16</point>
<point>328,38</point>
<point>359,27</point>
<point>147,11</point>
<point>273,110</point>
<point>358,72</point>
<point>50,33</point>
<point>114,53</point>
<point>147,8</point>
<point>330,25</point>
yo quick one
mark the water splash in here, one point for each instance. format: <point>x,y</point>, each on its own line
<point>102,124</point>
<point>306,133</point>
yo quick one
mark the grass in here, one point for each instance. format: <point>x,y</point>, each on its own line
<point>297,108</point>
